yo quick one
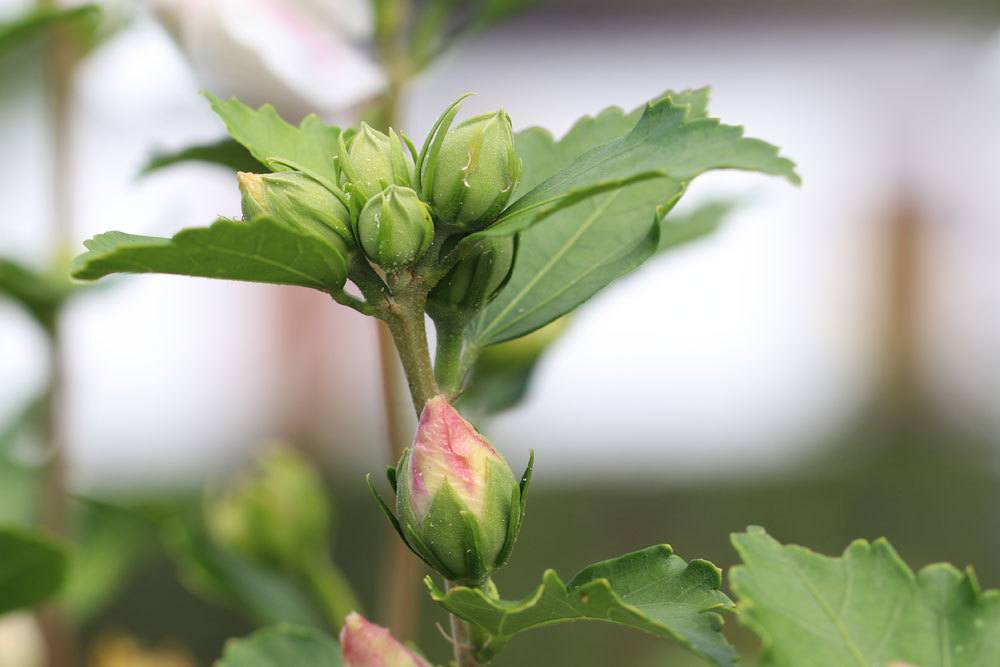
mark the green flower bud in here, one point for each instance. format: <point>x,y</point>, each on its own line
<point>473,175</point>
<point>296,199</point>
<point>459,507</point>
<point>395,228</point>
<point>474,281</point>
<point>277,514</point>
<point>376,160</point>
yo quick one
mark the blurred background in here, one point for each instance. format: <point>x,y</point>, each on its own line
<point>827,364</point>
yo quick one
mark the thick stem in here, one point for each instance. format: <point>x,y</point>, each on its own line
<point>448,367</point>
<point>409,333</point>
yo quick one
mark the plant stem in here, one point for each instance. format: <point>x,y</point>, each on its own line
<point>405,320</point>
<point>332,591</point>
<point>448,366</point>
<point>60,58</point>
<point>461,636</point>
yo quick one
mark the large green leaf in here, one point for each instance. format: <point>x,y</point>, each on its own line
<point>227,153</point>
<point>34,23</point>
<point>310,147</point>
<point>865,608</point>
<point>585,246</point>
<point>32,569</point>
<point>265,595</point>
<point>282,646</point>
<point>262,250</point>
<point>670,139</point>
<point>652,590</point>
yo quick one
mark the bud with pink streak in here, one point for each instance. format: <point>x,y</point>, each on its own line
<point>458,505</point>
<point>364,644</point>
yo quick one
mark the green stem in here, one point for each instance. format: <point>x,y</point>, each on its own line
<point>405,319</point>
<point>461,635</point>
<point>448,361</point>
<point>332,591</point>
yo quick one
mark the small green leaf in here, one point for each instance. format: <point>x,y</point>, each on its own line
<point>38,293</point>
<point>32,569</point>
<point>262,250</point>
<point>865,608</point>
<point>282,646</point>
<point>265,595</point>
<point>34,23</point>
<point>310,147</point>
<point>227,153</point>
<point>652,590</point>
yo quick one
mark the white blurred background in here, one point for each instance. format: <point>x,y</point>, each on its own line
<point>747,351</point>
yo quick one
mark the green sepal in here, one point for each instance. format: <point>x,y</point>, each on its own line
<point>424,552</point>
<point>476,568</point>
<point>336,191</point>
<point>385,508</point>
<point>526,481</point>
<point>513,528</point>
<point>432,145</point>
<point>400,169</point>
<point>346,167</point>
<point>407,534</point>
<point>390,474</point>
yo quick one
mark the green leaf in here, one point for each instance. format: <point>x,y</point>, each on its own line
<point>652,590</point>
<point>282,646</point>
<point>110,540</point>
<point>262,250</point>
<point>581,247</point>
<point>34,23</point>
<point>265,595</point>
<point>309,148</point>
<point>865,608</point>
<point>677,230</point>
<point>670,139</point>
<point>32,569</point>
<point>40,294</point>
<point>227,153</point>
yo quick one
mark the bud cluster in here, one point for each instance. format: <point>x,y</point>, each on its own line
<point>390,203</point>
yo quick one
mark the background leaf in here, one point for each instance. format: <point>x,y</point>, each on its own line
<point>32,569</point>
<point>262,250</point>
<point>282,646</point>
<point>677,230</point>
<point>34,23</point>
<point>265,595</point>
<point>311,146</point>
<point>40,294</point>
<point>864,608</point>
<point>227,153</point>
<point>652,590</point>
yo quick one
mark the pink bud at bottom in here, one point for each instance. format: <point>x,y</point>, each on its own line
<point>364,644</point>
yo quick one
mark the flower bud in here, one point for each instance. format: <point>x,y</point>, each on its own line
<point>474,281</point>
<point>395,228</point>
<point>296,199</point>
<point>459,507</point>
<point>376,160</point>
<point>364,644</point>
<point>474,173</point>
<point>277,514</point>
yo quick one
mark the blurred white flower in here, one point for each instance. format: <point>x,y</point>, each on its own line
<point>21,643</point>
<point>302,56</point>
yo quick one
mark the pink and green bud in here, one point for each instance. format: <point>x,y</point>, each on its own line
<point>459,506</point>
<point>364,644</point>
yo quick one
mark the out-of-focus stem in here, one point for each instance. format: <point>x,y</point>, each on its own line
<point>60,57</point>
<point>332,591</point>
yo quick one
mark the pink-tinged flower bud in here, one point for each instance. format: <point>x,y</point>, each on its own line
<point>364,644</point>
<point>459,506</point>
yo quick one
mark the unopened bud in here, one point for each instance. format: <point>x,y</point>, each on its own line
<point>376,160</point>
<point>395,228</point>
<point>475,280</point>
<point>297,200</point>
<point>364,644</point>
<point>474,173</point>
<point>278,513</point>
